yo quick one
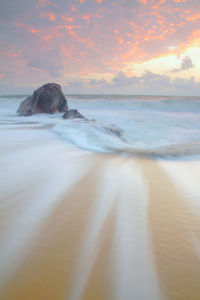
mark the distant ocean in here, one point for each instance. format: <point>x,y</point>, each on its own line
<point>104,209</point>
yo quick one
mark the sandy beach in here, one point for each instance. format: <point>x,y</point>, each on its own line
<point>79,225</point>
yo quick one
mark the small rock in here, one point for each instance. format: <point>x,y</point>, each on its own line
<point>73,113</point>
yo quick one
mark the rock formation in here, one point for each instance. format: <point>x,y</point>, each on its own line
<point>48,98</point>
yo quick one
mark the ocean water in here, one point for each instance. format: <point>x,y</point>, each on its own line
<point>160,126</point>
<point>104,209</point>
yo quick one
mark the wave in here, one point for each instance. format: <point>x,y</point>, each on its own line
<point>102,138</point>
<point>158,127</point>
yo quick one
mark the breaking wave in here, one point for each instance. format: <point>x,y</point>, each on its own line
<point>143,126</point>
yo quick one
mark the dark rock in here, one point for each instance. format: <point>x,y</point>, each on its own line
<point>113,130</point>
<point>73,113</point>
<point>48,98</point>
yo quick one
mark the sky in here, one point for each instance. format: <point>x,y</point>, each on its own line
<point>101,46</point>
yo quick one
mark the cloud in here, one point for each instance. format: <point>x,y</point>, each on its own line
<point>147,83</point>
<point>11,11</point>
<point>95,82</point>
<point>43,61</point>
<point>95,38</point>
<point>75,85</point>
<point>186,64</point>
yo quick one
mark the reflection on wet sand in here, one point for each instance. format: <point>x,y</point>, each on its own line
<point>173,225</point>
<point>89,226</point>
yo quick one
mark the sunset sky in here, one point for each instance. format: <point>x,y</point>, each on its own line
<point>101,46</point>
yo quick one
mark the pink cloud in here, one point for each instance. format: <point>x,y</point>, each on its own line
<point>70,27</point>
<point>68,19</point>
<point>74,8</point>
<point>193,17</point>
<point>120,33</point>
<point>179,1</point>
<point>34,31</point>
<point>8,54</point>
<point>47,37</point>
<point>87,18</point>
<point>51,16</point>
<point>43,3</point>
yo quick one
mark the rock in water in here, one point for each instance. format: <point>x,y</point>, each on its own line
<point>113,130</point>
<point>48,98</point>
<point>73,113</point>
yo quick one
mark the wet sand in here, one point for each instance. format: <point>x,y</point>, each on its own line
<point>79,225</point>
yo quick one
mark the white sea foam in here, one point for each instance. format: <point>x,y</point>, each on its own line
<point>156,127</point>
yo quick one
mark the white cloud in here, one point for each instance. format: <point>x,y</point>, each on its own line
<point>148,83</point>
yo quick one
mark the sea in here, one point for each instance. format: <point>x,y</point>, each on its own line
<point>104,208</point>
<point>161,126</point>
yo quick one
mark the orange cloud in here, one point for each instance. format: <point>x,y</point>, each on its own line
<point>51,16</point>
<point>90,44</point>
<point>144,2</point>
<point>179,1</point>
<point>19,24</point>
<point>73,33</point>
<point>43,3</point>
<point>1,76</point>
<point>87,18</point>
<point>150,31</point>
<point>119,39</point>
<point>34,31</point>
<point>65,51</point>
<point>71,27</point>
<point>98,1</point>
<point>71,30</point>
<point>47,37</point>
<point>192,42</point>
<point>98,16</point>
<point>68,19</point>
<point>195,40</point>
<point>168,30</point>
<point>128,34</point>
<point>9,54</point>
<point>74,8</point>
<point>81,53</point>
<point>155,7</point>
<point>154,37</point>
<point>133,25</point>
<point>160,21</point>
<point>193,17</point>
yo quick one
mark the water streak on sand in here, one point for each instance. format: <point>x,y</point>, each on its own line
<point>79,225</point>
<point>31,183</point>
